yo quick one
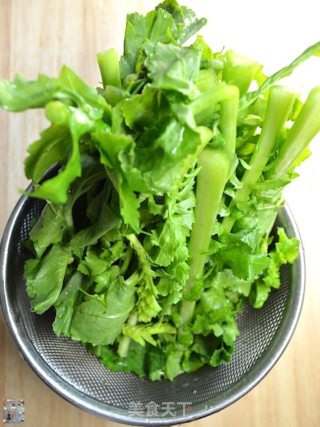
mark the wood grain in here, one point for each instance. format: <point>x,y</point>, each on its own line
<point>39,36</point>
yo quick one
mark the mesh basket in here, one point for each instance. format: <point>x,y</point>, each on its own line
<point>78,376</point>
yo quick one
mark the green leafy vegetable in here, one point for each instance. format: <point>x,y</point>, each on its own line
<point>164,187</point>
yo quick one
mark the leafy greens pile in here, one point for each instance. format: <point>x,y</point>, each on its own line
<point>157,226</point>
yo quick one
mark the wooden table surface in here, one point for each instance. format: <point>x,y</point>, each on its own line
<point>39,36</point>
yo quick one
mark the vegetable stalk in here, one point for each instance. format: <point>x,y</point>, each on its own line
<point>109,67</point>
<point>124,343</point>
<point>204,106</point>
<point>280,104</point>
<point>239,70</point>
<point>215,167</point>
<point>302,132</point>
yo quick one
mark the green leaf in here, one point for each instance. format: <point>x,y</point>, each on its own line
<point>210,60</point>
<point>259,293</point>
<point>191,362</point>
<point>173,366</point>
<point>45,278</point>
<point>129,206</point>
<point>286,248</point>
<point>249,98</point>
<point>98,322</point>
<point>145,333</point>
<point>93,265</point>
<point>92,173</point>
<point>174,68</point>
<point>161,163</point>
<point>53,147</point>
<point>171,238</point>
<point>100,266</point>
<point>155,26</point>
<point>55,219</point>
<point>286,251</point>
<point>221,355</point>
<point>134,362</point>
<point>116,154</point>
<point>48,229</point>
<point>147,304</point>
<point>21,94</point>
<point>187,22</point>
<point>143,110</point>
<point>84,95</point>
<point>245,265</point>
<point>56,189</point>
<point>107,221</point>
<point>167,23</point>
<point>65,305</point>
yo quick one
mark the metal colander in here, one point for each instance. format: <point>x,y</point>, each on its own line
<point>78,376</point>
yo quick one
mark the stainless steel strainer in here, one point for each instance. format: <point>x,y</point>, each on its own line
<point>78,377</point>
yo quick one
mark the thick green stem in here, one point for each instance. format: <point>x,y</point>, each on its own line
<point>114,94</point>
<point>239,70</point>
<point>205,105</point>
<point>124,343</point>
<point>126,261</point>
<point>205,135</point>
<point>206,80</point>
<point>109,67</point>
<point>228,120</point>
<point>215,168</point>
<point>280,103</point>
<point>140,251</point>
<point>213,176</point>
<point>305,128</point>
